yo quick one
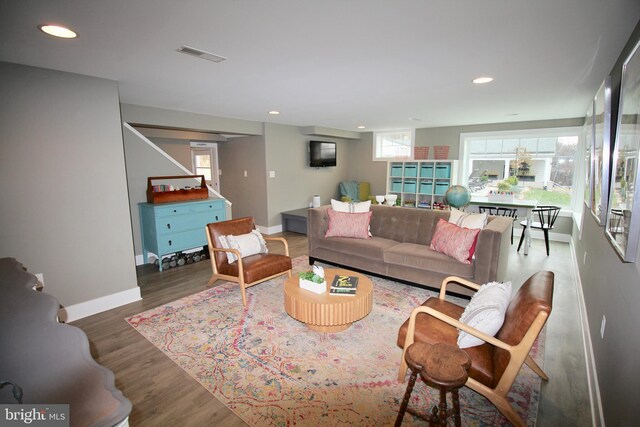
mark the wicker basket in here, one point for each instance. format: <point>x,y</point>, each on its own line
<point>441,152</point>
<point>420,153</point>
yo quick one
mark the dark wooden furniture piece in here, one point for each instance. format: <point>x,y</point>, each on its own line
<point>51,361</point>
<point>181,195</point>
<point>443,367</point>
<point>547,216</point>
<point>295,220</point>
<point>247,271</point>
<point>496,363</point>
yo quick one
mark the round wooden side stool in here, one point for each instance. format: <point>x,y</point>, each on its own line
<point>443,367</point>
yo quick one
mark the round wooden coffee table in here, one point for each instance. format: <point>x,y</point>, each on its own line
<point>327,312</point>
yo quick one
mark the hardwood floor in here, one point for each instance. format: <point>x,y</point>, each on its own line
<point>163,394</point>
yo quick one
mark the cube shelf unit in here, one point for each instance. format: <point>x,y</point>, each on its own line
<point>421,183</point>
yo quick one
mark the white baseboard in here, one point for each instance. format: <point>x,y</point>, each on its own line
<point>98,305</point>
<point>597,416</point>
<point>270,230</point>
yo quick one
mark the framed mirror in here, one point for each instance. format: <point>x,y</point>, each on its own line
<point>623,214</point>
<point>601,151</point>
<point>588,135</point>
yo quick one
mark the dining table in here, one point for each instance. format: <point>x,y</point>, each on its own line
<point>523,205</point>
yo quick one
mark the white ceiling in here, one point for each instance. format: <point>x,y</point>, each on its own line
<point>336,63</point>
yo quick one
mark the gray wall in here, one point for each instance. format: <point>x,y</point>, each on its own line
<point>248,194</point>
<point>142,161</point>
<point>138,114</point>
<point>363,168</point>
<point>295,183</point>
<point>612,288</point>
<point>64,205</point>
<point>179,149</point>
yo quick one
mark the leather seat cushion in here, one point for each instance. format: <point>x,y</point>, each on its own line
<point>431,331</point>
<point>257,267</point>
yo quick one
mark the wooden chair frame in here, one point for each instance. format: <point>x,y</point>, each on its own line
<point>519,353</point>
<point>240,278</point>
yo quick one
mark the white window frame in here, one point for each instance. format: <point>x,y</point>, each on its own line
<point>377,135</point>
<point>576,203</point>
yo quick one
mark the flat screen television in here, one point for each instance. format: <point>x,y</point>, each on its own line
<point>322,154</point>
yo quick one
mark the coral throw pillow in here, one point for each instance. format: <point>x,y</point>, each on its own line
<point>456,242</point>
<point>354,225</point>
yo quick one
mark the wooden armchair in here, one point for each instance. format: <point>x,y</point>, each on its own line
<point>496,363</point>
<point>247,271</point>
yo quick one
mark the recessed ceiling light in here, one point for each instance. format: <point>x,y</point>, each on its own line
<point>482,80</point>
<point>58,31</point>
<point>274,112</point>
<point>415,119</point>
<point>361,127</point>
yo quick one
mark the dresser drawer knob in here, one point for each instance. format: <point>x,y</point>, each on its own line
<point>169,226</point>
<point>217,218</point>
<point>169,242</point>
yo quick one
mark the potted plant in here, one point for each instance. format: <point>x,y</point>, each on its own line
<point>313,281</point>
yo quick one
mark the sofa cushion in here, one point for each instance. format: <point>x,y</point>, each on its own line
<point>405,225</point>
<point>373,248</point>
<point>431,331</point>
<point>457,242</point>
<point>354,225</point>
<point>424,258</point>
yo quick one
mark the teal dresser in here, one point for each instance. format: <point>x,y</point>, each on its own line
<point>172,227</point>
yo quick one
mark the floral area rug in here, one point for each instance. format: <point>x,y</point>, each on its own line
<point>271,370</point>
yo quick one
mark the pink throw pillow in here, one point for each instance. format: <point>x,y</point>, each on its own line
<point>354,225</point>
<point>456,242</point>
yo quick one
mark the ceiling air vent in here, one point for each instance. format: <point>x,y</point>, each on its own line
<point>201,54</point>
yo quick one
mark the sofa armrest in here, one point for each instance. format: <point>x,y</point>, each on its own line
<point>317,225</point>
<point>492,250</point>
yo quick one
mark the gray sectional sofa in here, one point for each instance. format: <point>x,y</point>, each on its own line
<point>399,247</point>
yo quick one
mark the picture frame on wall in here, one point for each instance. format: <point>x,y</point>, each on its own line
<point>623,213</point>
<point>601,151</point>
<point>588,135</point>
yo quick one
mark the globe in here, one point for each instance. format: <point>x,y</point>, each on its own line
<point>458,196</point>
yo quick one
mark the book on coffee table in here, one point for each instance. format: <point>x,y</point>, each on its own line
<point>344,285</point>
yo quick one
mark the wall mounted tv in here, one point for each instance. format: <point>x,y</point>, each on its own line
<point>322,154</point>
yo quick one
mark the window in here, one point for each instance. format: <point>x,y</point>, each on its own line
<point>536,164</point>
<point>393,145</point>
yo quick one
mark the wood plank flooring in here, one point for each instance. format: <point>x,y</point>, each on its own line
<point>164,395</point>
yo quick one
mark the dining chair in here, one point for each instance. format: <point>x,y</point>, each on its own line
<point>547,216</point>
<point>501,211</point>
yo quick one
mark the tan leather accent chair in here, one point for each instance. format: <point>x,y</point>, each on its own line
<point>247,271</point>
<point>496,363</point>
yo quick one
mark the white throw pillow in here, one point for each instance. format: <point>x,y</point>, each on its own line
<point>468,220</point>
<point>248,244</point>
<point>350,207</point>
<point>485,312</point>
